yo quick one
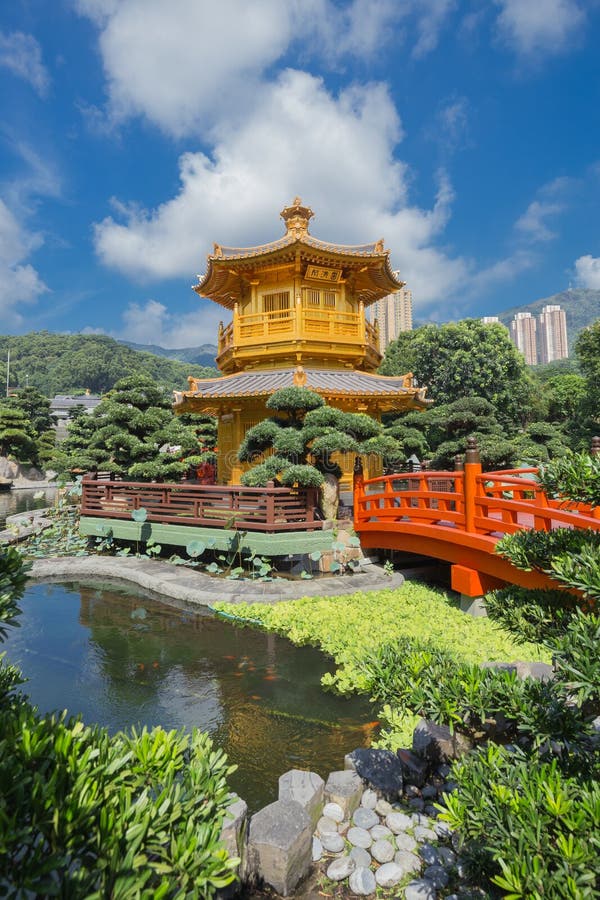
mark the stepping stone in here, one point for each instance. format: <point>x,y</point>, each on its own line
<point>333,843</point>
<point>429,854</point>
<point>409,862</point>
<point>365,818</point>
<point>341,868</point>
<point>306,788</point>
<point>362,882</point>
<point>280,844</point>
<point>437,875</point>
<point>333,811</point>
<point>398,822</point>
<point>369,799</point>
<point>344,788</point>
<point>361,857</point>
<point>383,807</point>
<point>388,875</point>
<point>405,842</point>
<point>326,825</point>
<point>359,837</point>
<point>419,890</point>
<point>382,851</point>
<point>381,831</point>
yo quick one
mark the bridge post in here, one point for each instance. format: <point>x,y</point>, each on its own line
<point>358,487</point>
<point>472,470</point>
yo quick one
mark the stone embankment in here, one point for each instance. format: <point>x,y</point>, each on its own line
<point>179,584</point>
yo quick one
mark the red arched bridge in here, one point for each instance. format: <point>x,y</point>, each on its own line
<point>460,516</point>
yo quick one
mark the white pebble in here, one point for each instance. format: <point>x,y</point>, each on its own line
<point>382,851</point>
<point>369,799</point>
<point>333,811</point>
<point>359,837</point>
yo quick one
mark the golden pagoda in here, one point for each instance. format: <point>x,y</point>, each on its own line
<point>298,318</point>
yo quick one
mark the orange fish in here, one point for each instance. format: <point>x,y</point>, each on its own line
<point>255,697</point>
<point>155,665</point>
<point>271,678</point>
<point>238,674</point>
<point>141,666</point>
<point>369,726</point>
<point>229,657</point>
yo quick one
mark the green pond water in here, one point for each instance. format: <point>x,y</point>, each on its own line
<point>17,501</point>
<point>121,659</point>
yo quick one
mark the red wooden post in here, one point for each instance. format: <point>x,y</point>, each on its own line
<point>472,470</point>
<point>595,452</point>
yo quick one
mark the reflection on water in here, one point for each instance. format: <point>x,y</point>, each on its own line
<point>121,659</point>
<point>17,501</point>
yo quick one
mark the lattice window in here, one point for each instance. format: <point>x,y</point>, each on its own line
<point>320,298</point>
<point>276,304</point>
<point>330,299</point>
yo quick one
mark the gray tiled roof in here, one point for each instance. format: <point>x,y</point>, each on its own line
<point>328,381</point>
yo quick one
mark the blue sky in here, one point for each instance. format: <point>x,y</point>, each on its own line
<point>135,133</point>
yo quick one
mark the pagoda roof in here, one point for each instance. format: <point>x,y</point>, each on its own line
<point>369,264</point>
<point>328,382</point>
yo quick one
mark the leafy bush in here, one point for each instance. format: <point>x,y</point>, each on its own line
<point>531,615</point>
<point>576,476</point>
<point>84,814</point>
<point>532,830</point>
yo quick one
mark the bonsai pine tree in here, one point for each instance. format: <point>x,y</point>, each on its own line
<point>17,435</point>
<point>303,436</point>
<point>132,433</point>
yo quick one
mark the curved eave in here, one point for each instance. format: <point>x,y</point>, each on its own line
<point>222,281</point>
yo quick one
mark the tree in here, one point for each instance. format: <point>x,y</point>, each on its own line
<point>465,359</point>
<point>303,438</point>
<point>133,433</point>
<point>17,436</point>
<point>587,349</point>
<point>36,407</point>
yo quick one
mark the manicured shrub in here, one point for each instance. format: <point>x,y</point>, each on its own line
<point>531,615</point>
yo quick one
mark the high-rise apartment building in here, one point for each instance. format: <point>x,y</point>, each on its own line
<point>490,320</point>
<point>552,334</point>
<point>523,336</point>
<point>393,314</point>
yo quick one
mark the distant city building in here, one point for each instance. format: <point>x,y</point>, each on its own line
<point>524,337</point>
<point>552,334</point>
<point>63,406</point>
<point>490,320</point>
<point>393,314</point>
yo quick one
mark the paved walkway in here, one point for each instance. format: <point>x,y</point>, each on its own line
<point>185,585</point>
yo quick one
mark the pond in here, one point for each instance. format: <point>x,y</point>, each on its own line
<point>22,500</point>
<point>121,659</point>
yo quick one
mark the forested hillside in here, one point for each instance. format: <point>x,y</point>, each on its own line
<point>67,363</point>
<point>204,355</point>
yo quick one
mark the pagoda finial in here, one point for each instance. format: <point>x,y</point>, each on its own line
<point>296,217</point>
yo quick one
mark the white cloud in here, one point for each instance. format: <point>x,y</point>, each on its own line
<point>338,153</point>
<point>534,27</point>
<point>432,16</point>
<point>22,55</point>
<point>587,269</point>
<point>152,323</point>
<point>532,224</point>
<point>19,281</point>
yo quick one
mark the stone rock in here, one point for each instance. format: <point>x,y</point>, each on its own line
<point>344,788</point>
<point>341,868</point>
<point>317,849</point>
<point>447,856</point>
<point>381,769</point>
<point>414,769</point>
<point>406,841</point>
<point>380,831</point>
<point>325,825</point>
<point>233,836</point>
<point>411,791</point>
<point>388,875</point>
<point>420,819</point>
<point>436,743</point>
<point>359,837</point>
<point>333,811</point>
<point>333,843</point>
<point>306,788</point>
<point>382,851</point>
<point>398,822</point>
<point>538,670</point>
<point>429,792</point>
<point>429,854</point>
<point>417,803</point>
<point>442,830</point>
<point>424,834</point>
<point>444,770</point>
<point>362,882</point>
<point>383,807</point>
<point>365,818</point>
<point>437,875</point>
<point>409,862</point>
<point>369,799</point>
<point>361,856</point>
<point>419,890</point>
<point>280,844</point>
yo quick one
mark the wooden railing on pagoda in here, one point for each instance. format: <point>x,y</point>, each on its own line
<point>268,509</point>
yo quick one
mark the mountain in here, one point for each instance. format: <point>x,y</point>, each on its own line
<point>200,356</point>
<point>582,308</point>
<point>73,363</point>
